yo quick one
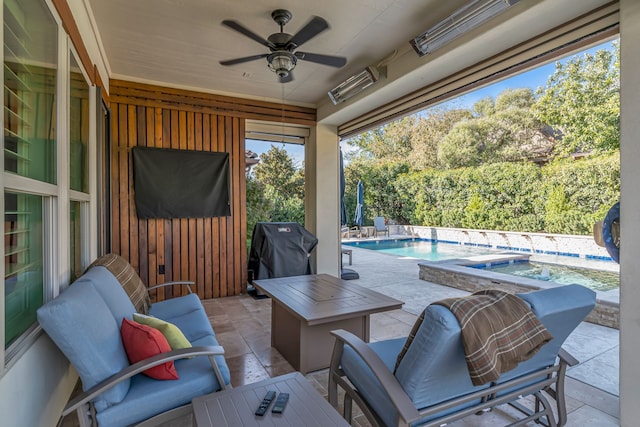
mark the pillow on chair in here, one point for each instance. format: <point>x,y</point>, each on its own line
<point>142,341</point>
<point>171,332</point>
<point>128,278</point>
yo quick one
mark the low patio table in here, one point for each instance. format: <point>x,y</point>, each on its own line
<point>304,309</point>
<point>349,253</point>
<point>236,406</point>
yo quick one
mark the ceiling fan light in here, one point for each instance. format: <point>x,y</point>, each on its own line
<point>281,63</point>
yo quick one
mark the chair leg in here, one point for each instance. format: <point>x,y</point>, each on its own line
<point>540,399</point>
<point>334,372</point>
<point>333,391</point>
<point>86,416</point>
<point>557,393</point>
<point>537,415</point>
<point>348,408</point>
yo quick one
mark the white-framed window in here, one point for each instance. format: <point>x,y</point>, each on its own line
<point>24,269</point>
<point>30,40</point>
<point>45,182</point>
<point>79,131</point>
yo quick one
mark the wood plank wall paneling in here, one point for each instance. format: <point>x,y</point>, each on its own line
<point>177,99</point>
<point>208,251</point>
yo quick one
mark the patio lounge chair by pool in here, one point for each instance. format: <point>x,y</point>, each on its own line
<point>380,226</point>
<point>426,380</point>
<point>349,232</point>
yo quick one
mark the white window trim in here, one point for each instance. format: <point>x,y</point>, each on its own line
<point>88,222</point>
<point>55,197</point>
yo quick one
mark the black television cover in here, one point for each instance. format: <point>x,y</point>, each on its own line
<point>180,183</point>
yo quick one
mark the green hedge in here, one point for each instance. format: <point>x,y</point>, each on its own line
<point>564,197</point>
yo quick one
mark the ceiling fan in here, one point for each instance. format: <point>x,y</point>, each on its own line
<point>283,57</point>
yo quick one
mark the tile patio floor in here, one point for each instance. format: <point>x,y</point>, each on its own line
<point>242,326</point>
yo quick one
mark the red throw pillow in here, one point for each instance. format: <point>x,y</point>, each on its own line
<point>142,341</point>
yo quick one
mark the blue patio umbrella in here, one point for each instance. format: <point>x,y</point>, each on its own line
<point>343,209</point>
<point>358,219</point>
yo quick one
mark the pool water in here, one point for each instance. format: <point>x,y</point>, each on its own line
<point>422,249</point>
<point>564,275</point>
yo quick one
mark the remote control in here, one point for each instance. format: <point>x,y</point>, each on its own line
<point>264,405</point>
<point>281,402</point>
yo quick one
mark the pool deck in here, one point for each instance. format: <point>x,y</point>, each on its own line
<point>457,273</point>
<point>595,346</point>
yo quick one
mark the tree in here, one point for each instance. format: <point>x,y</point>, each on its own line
<point>414,138</point>
<point>582,99</point>
<point>484,107</point>
<point>258,206</point>
<point>505,131</point>
<point>427,133</point>
<point>463,145</point>
<point>517,98</point>
<point>276,169</point>
<point>281,187</point>
<point>391,141</point>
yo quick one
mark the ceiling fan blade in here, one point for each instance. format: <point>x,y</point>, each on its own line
<point>332,61</point>
<point>247,32</point>
<point>314,27</point>
<point>244,59</point>
<point>287,78</point>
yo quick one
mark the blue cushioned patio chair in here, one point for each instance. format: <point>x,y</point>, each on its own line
<point>84,322</point>
<point>431,385</point>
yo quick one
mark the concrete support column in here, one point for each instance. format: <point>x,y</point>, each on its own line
<point>323,197</point>
<point>629,212</point>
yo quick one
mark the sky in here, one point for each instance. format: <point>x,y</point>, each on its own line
<point>532,79</point>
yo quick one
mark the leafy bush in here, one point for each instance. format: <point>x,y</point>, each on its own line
<point>564,197</point>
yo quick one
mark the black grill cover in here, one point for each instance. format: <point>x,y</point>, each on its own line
<point>280,249</point>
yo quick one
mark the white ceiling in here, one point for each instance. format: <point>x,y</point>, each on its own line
<point>180,42</point>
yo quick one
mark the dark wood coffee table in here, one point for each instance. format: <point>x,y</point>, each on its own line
<point>306,308</point>
<point>236,406</point>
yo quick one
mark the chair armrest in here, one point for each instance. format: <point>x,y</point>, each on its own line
<point>404,405</point>
<point>187,283</point>
<point>139,367</point>
<point>567,358</point>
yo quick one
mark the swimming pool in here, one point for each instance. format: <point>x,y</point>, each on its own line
<point>428,250</point>
<point>564,275</point>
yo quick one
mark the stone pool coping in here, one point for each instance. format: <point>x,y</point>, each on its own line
<point>456,273</point>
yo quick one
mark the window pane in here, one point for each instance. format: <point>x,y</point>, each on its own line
<point>75,240</point>
<point>23,280</point>
<point>30,62</point>
<point>79,129</point>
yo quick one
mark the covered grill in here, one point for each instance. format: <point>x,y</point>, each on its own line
<point>280,249</point>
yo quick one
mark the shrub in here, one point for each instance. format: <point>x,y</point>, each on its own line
<point>564,197</point>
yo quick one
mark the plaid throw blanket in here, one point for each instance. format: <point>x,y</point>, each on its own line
<point>498,332</point>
